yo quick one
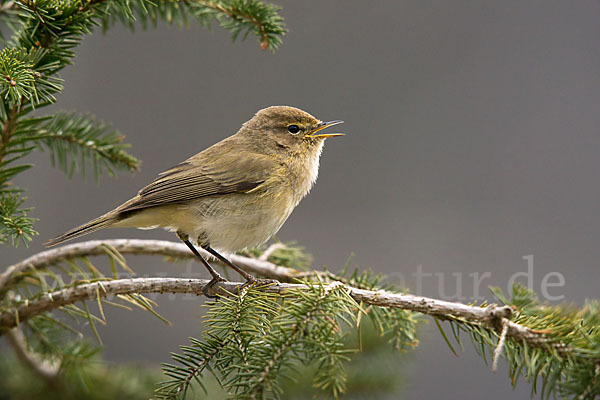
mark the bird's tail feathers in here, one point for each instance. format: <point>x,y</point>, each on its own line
<point>89,227</point>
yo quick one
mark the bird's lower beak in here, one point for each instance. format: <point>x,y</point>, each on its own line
<point>324,125</point>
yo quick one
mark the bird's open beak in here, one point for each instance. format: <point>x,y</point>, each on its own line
<point>324,125</point>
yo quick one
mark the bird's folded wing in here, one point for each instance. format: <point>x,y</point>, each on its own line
<point>194,179</point>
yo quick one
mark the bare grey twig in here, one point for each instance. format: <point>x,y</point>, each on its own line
<point>493,317</point>
<point>138,246</point>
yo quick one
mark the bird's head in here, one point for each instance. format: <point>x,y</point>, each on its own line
<point>287,128</point>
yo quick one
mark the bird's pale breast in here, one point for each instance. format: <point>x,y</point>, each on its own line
<point>227,226</point>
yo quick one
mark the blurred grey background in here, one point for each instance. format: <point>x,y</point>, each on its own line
<point>472,142</point>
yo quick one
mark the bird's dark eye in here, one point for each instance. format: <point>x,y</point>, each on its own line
<point>293,129</point>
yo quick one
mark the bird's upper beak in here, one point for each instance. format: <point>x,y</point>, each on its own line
<point>324,125</point>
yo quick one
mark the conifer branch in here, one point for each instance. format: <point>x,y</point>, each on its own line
<point>258,16</point>
<point>491,317</point>
<point>15,225</point>
<point>534,339</point>
<point>237,16</point>
<point>74,140</point>
<point>42,368</point>
<point>7,129</point>
<point>137,246</point>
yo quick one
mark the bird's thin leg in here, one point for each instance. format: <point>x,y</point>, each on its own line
<point>210,269</point>
<point>249,278</point>
<point>216,277</point>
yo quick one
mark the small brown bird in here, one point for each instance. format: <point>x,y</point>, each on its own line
<point>235,194</point>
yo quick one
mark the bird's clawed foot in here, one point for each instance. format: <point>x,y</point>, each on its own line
<point>209,289</point>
